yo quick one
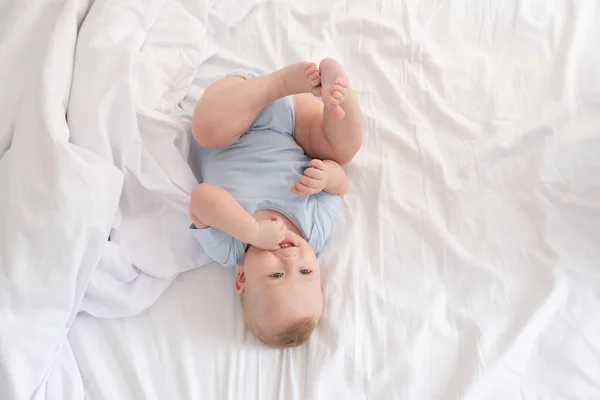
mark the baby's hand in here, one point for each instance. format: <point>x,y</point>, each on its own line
<point>314,180</point>
<point>269,234</point>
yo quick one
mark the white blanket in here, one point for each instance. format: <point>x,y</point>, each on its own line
<point>58,199</point>
<point>118,160</point>
<point>467,262</point>
<point>129,114</point>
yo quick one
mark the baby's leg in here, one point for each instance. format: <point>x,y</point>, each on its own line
<point>228,107</point>
<point>332,130</point>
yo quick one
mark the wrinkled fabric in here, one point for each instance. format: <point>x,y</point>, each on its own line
<point>465,264</point>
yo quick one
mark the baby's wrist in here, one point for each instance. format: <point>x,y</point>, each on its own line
<point>252,232</point>
<point>327,173</point>
<point>255,231</point>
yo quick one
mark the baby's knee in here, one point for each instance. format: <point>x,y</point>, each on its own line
<point>201,131</point>
<point>210,136</point>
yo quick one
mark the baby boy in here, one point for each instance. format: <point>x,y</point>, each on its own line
<point>268,154</point>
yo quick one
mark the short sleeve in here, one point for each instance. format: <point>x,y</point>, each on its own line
<point>219,246</point>
<point>327,212</point>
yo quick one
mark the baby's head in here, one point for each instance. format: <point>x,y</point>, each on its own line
<point>281,292</point>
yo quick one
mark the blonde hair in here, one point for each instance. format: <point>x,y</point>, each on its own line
<point>295,334</point>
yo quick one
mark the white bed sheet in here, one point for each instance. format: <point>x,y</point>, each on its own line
<point>467,263</point>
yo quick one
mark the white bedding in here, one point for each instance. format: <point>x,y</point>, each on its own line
<point>467,262</point>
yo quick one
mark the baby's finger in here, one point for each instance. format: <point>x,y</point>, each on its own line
<point>314,173</point>
<point>295,190</point>
<point>310,182</point>
<point>280,236</point>
<point>318,164</point>
<point>303,189</point>
<point>281,225</point>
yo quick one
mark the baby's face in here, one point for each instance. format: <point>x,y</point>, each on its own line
<point>281,285</point>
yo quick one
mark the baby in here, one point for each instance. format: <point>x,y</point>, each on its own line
<point>268,154</point>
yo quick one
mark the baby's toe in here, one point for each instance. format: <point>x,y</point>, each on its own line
<point>339,88</point>
<point>339,96</point>
<point>331,100</point>
<point>336,96</point>
<point>341,81</point>
<point>310,69</point>
<point>314,78</point>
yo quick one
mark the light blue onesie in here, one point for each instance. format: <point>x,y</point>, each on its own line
<point>258,171</point>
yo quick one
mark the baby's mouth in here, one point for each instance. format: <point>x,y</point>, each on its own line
<point>286,244</point>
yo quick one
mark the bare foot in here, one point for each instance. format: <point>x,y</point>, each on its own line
<point>299,78</point>
<point>334,83</point>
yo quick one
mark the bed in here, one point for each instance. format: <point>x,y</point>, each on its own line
<point>466,264</point>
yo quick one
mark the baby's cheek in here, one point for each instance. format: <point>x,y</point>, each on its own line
<point>310,257</point>
<point>259,260</point>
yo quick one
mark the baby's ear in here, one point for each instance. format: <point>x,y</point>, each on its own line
<point>240,279</point>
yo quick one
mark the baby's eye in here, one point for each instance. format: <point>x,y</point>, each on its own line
<point>305,271</point>
<point>277,275</point>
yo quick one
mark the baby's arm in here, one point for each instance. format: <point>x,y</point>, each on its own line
<point>328,176</point>
<point>213,206</point>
